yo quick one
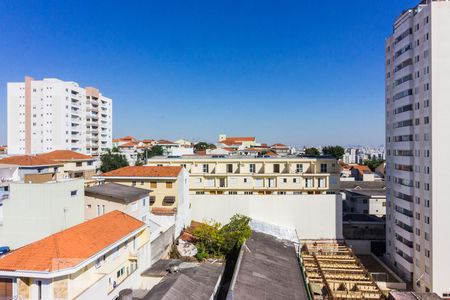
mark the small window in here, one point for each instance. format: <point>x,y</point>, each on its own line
<point>323,168</point>
<point>169,185</point>
<point>79,164</point>
<point>153,184</point>
<point>230,168</point>
<point>276,168</point>
<point>168,201</point>
<point>73,193</point>
<point>152,200</point>
<point>90,163</point>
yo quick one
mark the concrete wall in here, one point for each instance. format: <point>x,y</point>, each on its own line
<point>34,211</point>
<point>313,216</point>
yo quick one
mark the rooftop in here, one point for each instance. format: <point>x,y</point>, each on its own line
<point>267,269</point>
<point>362,185</point>
<point>398,295</point>
<point>70,247</point>
<point>241,157</point>
<point>144,171</point>
<point>362,218</point>
<point>368,192</point>
<point>119,192</point>
<point>192,283</point>
<point>65,155</point>
<point>28,161</point>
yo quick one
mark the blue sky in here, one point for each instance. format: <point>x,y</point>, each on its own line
<point>298,72</point>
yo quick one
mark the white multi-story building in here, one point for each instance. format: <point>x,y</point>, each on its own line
<point>418,161</point>
<point>51,114</point>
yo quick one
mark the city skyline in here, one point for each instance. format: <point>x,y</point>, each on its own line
<point>257,67</point>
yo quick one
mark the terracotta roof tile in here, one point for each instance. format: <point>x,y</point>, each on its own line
<point>163,211</point>
<point>65,155</point>
<point>145,171</point>
<point>129,144</point>
<point>72,246</point>
<point>28,160</point>
<point>362,169</point>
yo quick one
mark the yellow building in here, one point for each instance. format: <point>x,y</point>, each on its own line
<point>257,175</point>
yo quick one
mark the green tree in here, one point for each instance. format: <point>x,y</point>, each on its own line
<point>373,163</point>
<point>111,161</point>
<point>201,146</point>
<point>215,240</point>
<point>335,151</point>
<point>148,153</point>
<point>312,151</point>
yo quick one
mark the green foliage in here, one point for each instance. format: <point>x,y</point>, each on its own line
<point>215,240</point>
<point>148,153</point>
<point>312,151</point>
<point>201,146</point>
<point>335,151</point>
<point>373,163</point>
<point>111,161</point>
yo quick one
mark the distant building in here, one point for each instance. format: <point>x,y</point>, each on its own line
<point>237,142</point>
<point>362,173</point>
<point>259,175</point>
<point>104,198</point>
<point>281,149</point>
<point>75,165</point>
<point>51,114</point>
<point>365,201</point>
<point>93,260</point>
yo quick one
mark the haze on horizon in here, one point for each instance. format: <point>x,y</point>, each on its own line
<point>300,73</point>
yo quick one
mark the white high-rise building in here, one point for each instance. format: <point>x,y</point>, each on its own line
<point>417,143</point>
<point>51,114</point>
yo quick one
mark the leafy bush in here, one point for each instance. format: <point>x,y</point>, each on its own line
<point>217,241</point>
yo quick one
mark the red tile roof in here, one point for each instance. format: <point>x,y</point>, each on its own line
<point>65,155</point>
<point>145,171</point>
<point>279,146</point>
<point>129,144</point>
<point>362,169</point>
<point>29,160</point>
<point>72,246</point>
<point>165,142</point>
<point>128,138</point>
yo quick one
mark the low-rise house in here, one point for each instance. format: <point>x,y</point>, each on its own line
<point>93,260</point>
<point>104,198</point>
<point>75,165</point>
<point>362,173</point>
<point>29,168</point>
<point>236,142</point>
<point>281,149</point>
<point>169,188</point>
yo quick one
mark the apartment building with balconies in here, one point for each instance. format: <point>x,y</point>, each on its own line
<point>417,160</point>
<point>51,114</point>
<point>258,175</point>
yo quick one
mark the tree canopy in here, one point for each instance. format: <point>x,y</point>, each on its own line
<point>373,163</point>
<point>217,241</point>
<point>201,146</point>
<point>112,161</point>
<point>335,151</point>
<point>312,151</point>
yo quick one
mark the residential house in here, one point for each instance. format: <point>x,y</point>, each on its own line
<point>75,165</point>
<point>104,198</point>
<point>93,260</point>
<point>362,173</point>
<point>168,189</point>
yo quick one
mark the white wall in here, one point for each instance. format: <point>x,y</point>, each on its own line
<point>34,211</point>
<point>313,216</point>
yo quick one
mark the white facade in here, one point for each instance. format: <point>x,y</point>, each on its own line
<point>51,114</point>
<point>418,162</point>
<point>313,216</point>
<point>35,210</point>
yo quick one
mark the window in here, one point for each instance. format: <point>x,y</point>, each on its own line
<point>276,168</point>
<point>323,168</point>
<point>299,168</point>
<point>169,185</point>
<point>427,253</point>
<point>321,182</point>
<point>252,168</point>
<point>144,201</point>
<point>205,168</point>
<point>230,168</point>
<point>168,201</point>
<point>73,193</point>
<point>248,193</point>
<point>427,220</point>
<point>79,164</point>
<point>98,211</point>
<point>133,183</point>
<point>153,184</point>
<point>90,163</point>
<point>284,180</point>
